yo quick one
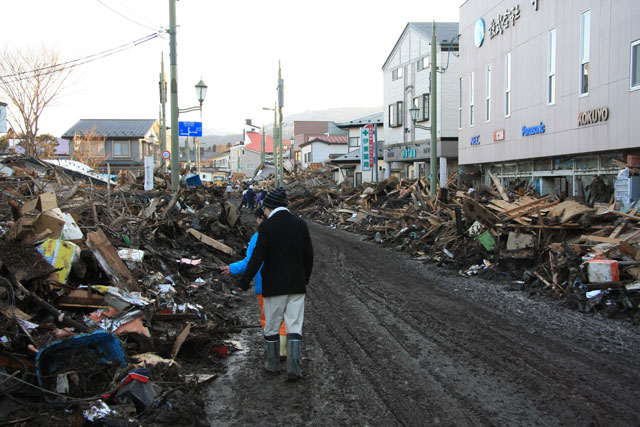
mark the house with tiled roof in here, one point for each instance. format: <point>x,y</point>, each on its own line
<point>246,156</point>
<point>321,149</point>
<point>121,144</point>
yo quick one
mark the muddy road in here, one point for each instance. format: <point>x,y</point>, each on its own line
<point>393,342</point>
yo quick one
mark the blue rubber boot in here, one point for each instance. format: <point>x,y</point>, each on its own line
<point>294,348</point>
<point>272,345</point>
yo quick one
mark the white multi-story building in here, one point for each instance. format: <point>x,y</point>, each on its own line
<point>549,89</point>
<point>406,83</point>
<point>321,149</point>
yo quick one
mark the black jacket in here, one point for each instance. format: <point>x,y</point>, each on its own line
<point>284,246</point>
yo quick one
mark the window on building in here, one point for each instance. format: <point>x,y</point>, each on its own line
<point>392,115</point>
<point>551,79</point>
<point>120,148</point>
<point>471,99</point>
<point>423,64</point>
<point>249,166</point>
<point>96,149</point>
<point>425,106</point>
<point>460,103</point>
<point>487,91</point>
<point>635,65</point>
<point>354,142</point>
<point>397,73</point>
<point>399,113</point>
<point>585,41</point>
<point>507,84</point>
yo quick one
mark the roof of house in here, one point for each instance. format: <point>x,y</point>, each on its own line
<point>354,156</point>
<point>112,128</point>
<point>217,154</point>
<point>377,118</point>
<point>328,139</point>
<point>255,143</point>
<point>445,33</point>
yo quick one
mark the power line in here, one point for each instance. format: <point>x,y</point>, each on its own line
<point>139,16</point>
<point>24,75</point>
<point>126,17</point>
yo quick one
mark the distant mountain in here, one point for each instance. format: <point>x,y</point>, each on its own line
<point>211,140</point>
<point>212,132</point>
<point>337,115</point>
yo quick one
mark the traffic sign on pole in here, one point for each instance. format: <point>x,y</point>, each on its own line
<point>166,154</point>
<point>190,129</point>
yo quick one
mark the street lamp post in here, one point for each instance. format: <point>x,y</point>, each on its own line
<point>201,93</point>
<point>414,111</point>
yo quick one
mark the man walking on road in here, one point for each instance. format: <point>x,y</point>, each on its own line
<point>284,249</point>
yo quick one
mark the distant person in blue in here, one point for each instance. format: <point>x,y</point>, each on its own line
<point>240,266</point>
<point>251,198</point>
<point>261,195</point>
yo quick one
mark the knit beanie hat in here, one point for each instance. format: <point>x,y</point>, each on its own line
<point>275,199</point>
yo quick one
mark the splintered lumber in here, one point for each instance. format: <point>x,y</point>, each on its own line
<point>568,210</point>
<point>499,186</point>
<point>110,262</point>
<point>180,340</point>
<point>479,213</point>
<point>172,203</point>
<point>210,241</point>
<point>601,239</point>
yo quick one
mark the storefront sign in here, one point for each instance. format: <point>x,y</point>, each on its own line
<point>409,153</point>
<point>368,141</point>
<point>593,116</point>
<point>533,130</point>
<point>498,135</point>
<point>475,140</point>
<point>504,20</point>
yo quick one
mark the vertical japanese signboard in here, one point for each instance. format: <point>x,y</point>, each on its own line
<point>367,147</point>
<point>3,117</point>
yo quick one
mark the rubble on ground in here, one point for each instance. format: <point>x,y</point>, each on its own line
<point>111,299</point>
<point>587,254</point>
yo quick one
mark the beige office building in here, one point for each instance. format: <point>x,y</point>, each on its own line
<point>549,91</point>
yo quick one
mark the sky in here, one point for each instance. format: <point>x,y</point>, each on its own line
<point>331,54</point>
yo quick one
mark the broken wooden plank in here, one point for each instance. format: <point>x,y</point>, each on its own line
<point>479,213</point>
<point>499,186</point>
<point>110,261</point>
<point>210,241</point>
<point>600,239</point>
<point>180,340</point>
<point>568,210</point>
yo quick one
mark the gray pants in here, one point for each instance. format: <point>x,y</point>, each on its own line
<point>289,308</point>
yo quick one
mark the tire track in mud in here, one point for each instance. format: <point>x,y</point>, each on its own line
<point>407,399</point>
<point>509,360</point>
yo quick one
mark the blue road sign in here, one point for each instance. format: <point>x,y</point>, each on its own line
<point>190,128</point>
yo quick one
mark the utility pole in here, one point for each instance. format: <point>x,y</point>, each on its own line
<point>175,147</point>
<point>280,105</point>
<point>262,147</point>
<point>434,113</point>
<point>163,112</point>
<point>273,142</point>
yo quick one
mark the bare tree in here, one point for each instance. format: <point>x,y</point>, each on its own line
<point>31,79</point>
<point>89,148</point>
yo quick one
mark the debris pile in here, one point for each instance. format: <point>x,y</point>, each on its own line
<point>588,254</point>
<point>111,299</point>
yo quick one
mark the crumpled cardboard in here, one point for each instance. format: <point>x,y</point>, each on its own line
<point>60,254</point>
